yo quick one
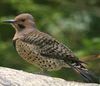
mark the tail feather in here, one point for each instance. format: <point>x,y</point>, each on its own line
<point>86,75</point>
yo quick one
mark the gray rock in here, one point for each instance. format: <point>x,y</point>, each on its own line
<point>12,77</point>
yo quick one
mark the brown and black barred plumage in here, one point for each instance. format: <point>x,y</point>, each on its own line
<point>44,51</point>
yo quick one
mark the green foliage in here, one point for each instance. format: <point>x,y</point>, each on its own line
<point>73,22</point>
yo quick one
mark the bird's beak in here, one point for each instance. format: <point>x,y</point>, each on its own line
<point>9,21</point>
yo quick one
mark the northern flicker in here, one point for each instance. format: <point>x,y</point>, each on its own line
<point>43,50</point>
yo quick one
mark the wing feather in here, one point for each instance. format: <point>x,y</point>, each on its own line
<point>49,47</point>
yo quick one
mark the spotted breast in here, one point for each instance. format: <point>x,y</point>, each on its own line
<point>30,53</point>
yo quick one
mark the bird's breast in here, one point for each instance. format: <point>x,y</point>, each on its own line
<point>26,51</point>
<point>30,53</point>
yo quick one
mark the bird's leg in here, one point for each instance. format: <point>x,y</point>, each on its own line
<point>42,72</point>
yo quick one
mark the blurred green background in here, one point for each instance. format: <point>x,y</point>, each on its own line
<point>76,23</point>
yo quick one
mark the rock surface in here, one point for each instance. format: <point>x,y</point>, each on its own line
<point>12,77</point>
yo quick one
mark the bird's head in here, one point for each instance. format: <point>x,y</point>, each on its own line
<point>22,21</point>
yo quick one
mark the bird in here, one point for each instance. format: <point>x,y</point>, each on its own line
<point>43,50</point>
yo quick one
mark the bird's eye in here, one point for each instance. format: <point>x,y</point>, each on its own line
<point>22,20</point>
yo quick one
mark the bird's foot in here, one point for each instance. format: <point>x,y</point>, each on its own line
<point>42,73</point>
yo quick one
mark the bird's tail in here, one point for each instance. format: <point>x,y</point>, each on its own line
<point>86,75</point>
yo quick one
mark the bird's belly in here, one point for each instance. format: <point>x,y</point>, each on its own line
<point>29,53</point>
